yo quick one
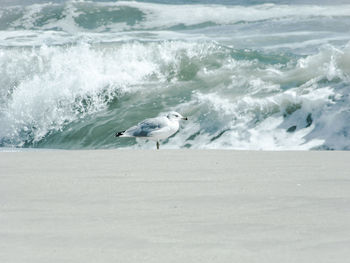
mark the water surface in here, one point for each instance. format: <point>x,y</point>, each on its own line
<point>249,74</point>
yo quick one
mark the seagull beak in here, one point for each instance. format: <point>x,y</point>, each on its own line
<point>185,118</point>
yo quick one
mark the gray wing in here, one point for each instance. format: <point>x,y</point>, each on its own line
<point>146,127</point>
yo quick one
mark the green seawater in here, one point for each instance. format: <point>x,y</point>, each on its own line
<point>248,75</point>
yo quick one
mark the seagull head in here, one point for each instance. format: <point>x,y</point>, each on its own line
<point>176,116</point>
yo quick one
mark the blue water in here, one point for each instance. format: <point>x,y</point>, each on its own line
<point>249,74</point>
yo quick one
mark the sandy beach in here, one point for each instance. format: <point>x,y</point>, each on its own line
<point>174,206</point>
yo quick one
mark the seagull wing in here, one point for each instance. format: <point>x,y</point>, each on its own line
<point>146,127</point>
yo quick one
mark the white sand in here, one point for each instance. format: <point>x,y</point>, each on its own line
<point>174,206</point>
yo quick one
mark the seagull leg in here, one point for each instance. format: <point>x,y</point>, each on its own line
<point>157,145</point>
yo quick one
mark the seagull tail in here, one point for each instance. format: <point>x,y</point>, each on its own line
<point>118,134</point>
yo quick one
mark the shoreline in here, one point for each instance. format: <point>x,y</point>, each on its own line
<point>174,206</point>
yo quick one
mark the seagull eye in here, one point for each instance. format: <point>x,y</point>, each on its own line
<point>176,115</point>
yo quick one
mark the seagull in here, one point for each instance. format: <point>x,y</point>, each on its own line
<point>155,129</point>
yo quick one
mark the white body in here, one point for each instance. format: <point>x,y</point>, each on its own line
<point>166,128</point>
<point>156,129</point>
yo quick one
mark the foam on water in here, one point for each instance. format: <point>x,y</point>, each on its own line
<point>248,77</point>
<point>313,115</point>
<point>48,87</point>
<point>75,16</point>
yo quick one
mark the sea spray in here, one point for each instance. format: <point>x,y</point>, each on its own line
<point>263,77</point>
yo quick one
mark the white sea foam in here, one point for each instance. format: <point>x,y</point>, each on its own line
<point>49,87</point>
<point>253,123</point>
<point>72,82</point>
<point>305,117</point>
<point>235,98</point>
<point>166,16</point>
<point>294,26</point>
<point>158,16</point>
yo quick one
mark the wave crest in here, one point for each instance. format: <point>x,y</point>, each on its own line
<point>75,16</point>
<point>240,99</point>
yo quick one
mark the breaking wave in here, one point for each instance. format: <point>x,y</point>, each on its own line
<point>72,74</point>
<point>77,16</point>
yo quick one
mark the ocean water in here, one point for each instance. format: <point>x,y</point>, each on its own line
<point>248,74</point>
